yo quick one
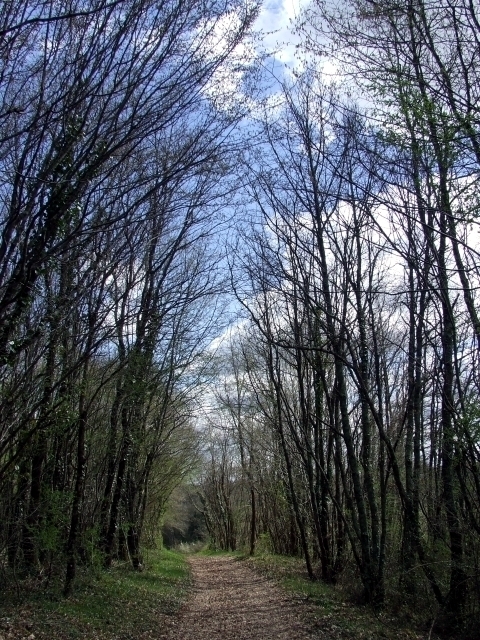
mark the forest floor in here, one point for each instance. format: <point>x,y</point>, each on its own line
<point>119,604</point>
<point>239,599</point>
<point>217,596</point>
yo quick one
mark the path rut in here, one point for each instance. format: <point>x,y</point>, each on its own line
<point>232,602</point>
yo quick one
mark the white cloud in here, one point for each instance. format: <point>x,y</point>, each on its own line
<point>276,21</point>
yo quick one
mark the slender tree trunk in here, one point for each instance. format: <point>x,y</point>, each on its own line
<point>74,531</point>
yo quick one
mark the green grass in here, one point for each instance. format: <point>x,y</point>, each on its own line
<point>330,609</point>
<point>290,573</point>
<point>207,551</point>
<point>120,604</point>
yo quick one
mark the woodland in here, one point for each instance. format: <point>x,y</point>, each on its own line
<point>258,284</point>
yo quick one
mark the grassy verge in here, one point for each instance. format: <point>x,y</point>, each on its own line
<point>120,604</point>
<point>330,609</point>
<point>206,551</point>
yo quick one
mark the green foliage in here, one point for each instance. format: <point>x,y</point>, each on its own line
<point>50,533</point>
<point>470,420</point>
<point>92,555</point>
<point>264,544</point>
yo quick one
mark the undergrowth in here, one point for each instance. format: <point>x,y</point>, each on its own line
<point>330,609</point>
<point>119,604</point>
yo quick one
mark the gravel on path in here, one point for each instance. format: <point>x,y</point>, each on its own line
<point>232,602</point>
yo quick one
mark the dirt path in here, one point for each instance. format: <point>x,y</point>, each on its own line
<point>232,602</point>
